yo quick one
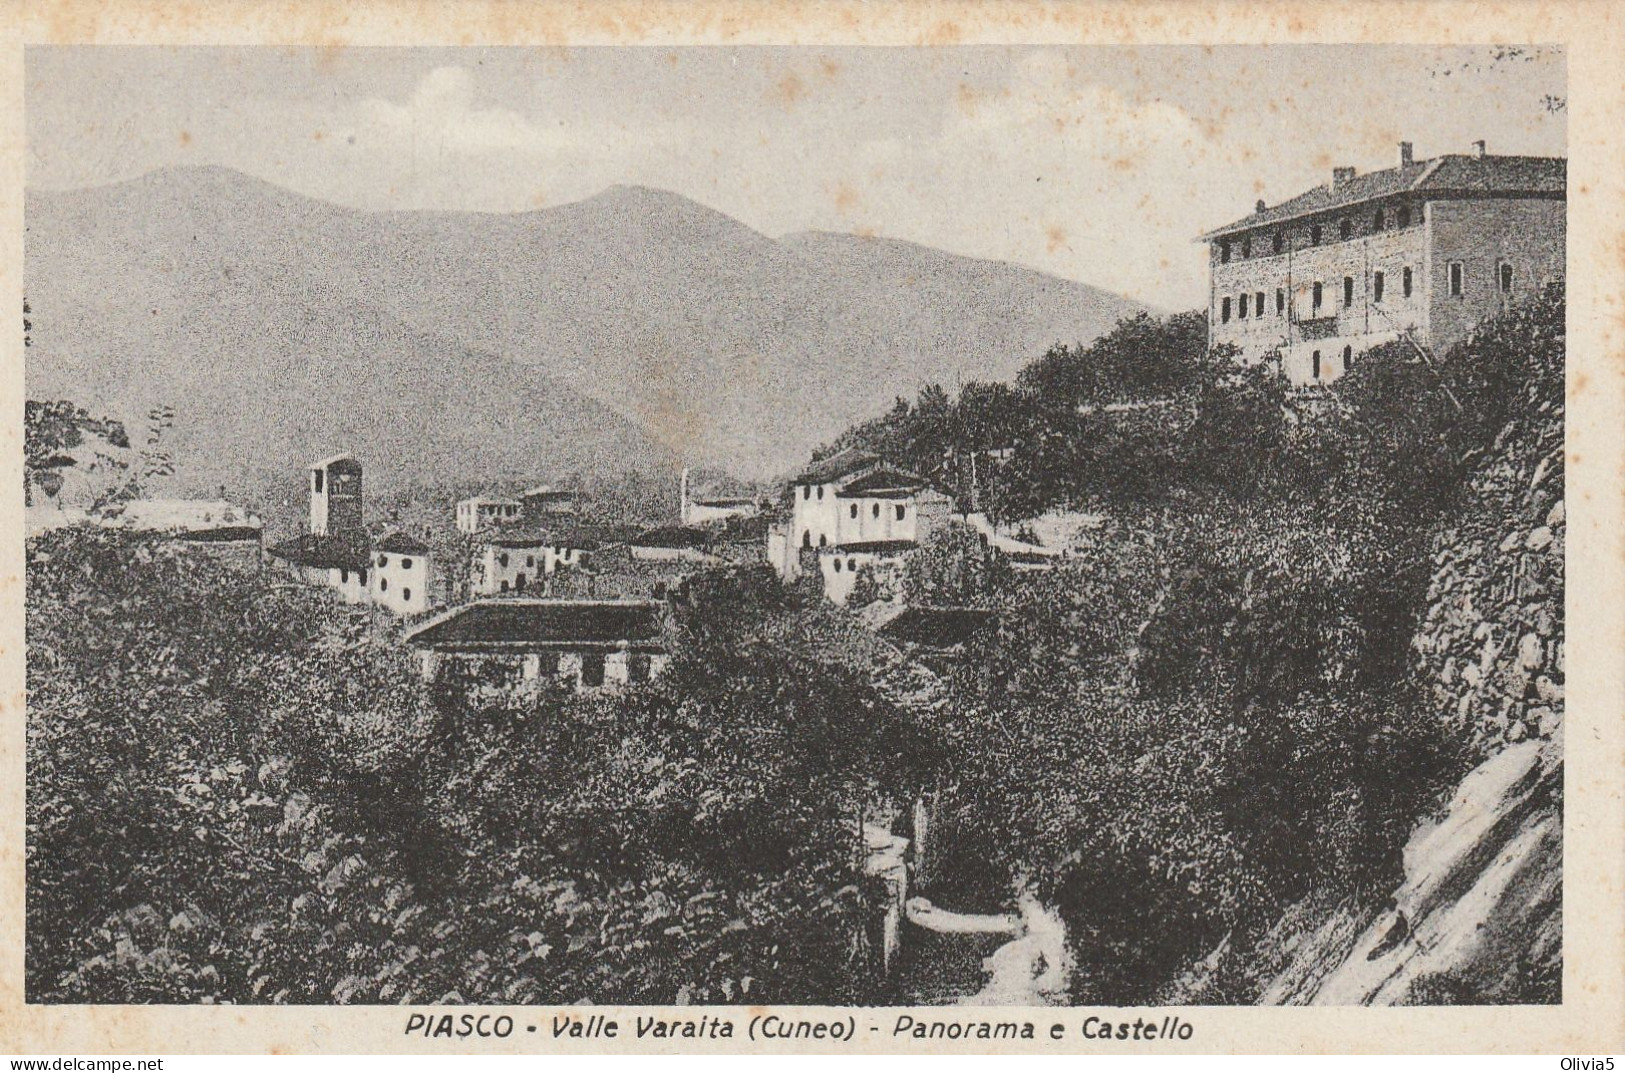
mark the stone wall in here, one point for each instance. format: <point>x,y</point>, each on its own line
<point>1492,641</point>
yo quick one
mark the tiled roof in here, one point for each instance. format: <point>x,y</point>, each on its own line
<point>937,627</point>
<point>837,465</point>
<point>343,551</point>
<point>542,623</point>
<point>564,535</point>
<point>224,535</point>
<point>884,481</point>
<point>1439,177</point>
<point>402,544</point>
<point>343,461</point>
<point>672,536</point>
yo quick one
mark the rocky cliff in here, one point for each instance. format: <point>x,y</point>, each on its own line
<point>1477,917</point>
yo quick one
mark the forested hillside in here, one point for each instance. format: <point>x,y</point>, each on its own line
<point>1233,699</point>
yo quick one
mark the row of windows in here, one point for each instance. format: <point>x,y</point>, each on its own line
<point>874,510</point>
<point>851,566</point>
<point>530,560</point>
<point>383,560</point>
<point>1317,295</point>
<point>1382,219</point>
<point>1456,273</point>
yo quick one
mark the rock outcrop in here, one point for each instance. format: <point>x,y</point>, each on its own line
<point>1477,917</point>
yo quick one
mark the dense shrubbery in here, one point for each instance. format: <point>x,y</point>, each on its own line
<point>1214,712</point>
<point>239,792</point>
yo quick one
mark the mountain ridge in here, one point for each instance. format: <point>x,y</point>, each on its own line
<point>665,319</point>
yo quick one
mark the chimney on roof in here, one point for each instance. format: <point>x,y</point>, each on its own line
<point>1405,154</point>
<point>1341,177</point>
<point>1479,149</point>
<point>1260,206</point>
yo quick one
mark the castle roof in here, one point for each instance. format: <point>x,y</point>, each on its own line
<point>1442,177</point>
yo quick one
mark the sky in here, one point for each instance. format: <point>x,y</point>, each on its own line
<point>1097,164</point>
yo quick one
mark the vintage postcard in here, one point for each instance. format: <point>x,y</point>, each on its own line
<point>608,527</point>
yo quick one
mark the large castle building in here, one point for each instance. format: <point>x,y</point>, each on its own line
<point>1422,251</point>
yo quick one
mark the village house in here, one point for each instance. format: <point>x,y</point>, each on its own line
<point>589,645</point>
<point>519,561</point>
<point>544,503</point>
<point>715,503</point>
<point>851,511</point>
<point>338,561</point>
<point>479,512</point>
<point>1422,251</point>
<point>395,573</point>
<point>401,570</point>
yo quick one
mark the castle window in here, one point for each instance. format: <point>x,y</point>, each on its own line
<point>383,560</point>
<point>852,511</point>
<point>1241,308</point>
<point>1258,304</point>
<point>1280,301</point>
<point>1376,286</point>
<point>1314,235</point>
<point>344,576</point>
<point>1345,228</point>
<point>1348,357</point>
<point>316,478</point>
<point>1247,247</point>
<point>637,667</point>
<point>1315,296</point>
<point>503,558</point>
<point>406,564</point>
<point>837,566</point>
<point>874,511</point>
<point>1278,241</point>
<point>820,491</point>
<point>1458,279</point>
<point>1348,291</point>
<point>1224,310</point>
<point>1405,282</point>
<point>1224,251</point>
<point>1378,221</point>
<point>383,584</point>
<point>406,594</point>
<point>822,540</point>
<point>1315,363</point>
<point>852,565</point>
<point>530,560</point>
<point>806,491</point>
<point>592,669</point>
<point>1504,272</point>
<point>504,586</point>
<point>806,538</point>
<point>362,577</point>
<point>901,510</point>
<point>1404,216</point>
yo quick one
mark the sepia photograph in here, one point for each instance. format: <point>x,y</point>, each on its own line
<point>985,525</point>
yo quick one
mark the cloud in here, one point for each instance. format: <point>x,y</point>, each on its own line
<point>441,115</point>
